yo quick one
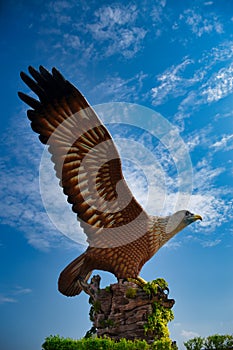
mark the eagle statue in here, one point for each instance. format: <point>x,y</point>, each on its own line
<point>122,237</point>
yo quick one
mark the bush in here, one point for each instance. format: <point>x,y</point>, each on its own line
<point>194,344</point>
<point>160,316</point>
<point>59,343</point>
<point>220,342</point>
<point>213,342</point>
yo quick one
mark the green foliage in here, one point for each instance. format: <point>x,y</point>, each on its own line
<point>213,342</point>
<point>194,344</point>
<point>158,320</point>
<point>108,289</point>
<point>151,288</point>
<point>59,343</point>
<point>219,342</point>
<point>162,344</point>
<point>131,293</point>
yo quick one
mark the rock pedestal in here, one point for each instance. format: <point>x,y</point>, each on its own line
<point>122,310</point>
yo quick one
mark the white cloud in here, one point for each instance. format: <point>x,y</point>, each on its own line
<point>115,26</point>
<point>210,244</point>
<point>225,143</point>
<point>222,52</point>
<point>189,334</point>
<point>5,299</point>
<point>200,24</point>
<point>219,85</point>
<point>119,89</point>
<point>59,11</point>
<point>157,12</point>
<point>173,244</point>
<point>21,290</point>
<point>21,205</point>
<point>111,29</point>
<point>209,86</point>
<point>198,138</point>
<point>172,82</point>
<point>12,295</point>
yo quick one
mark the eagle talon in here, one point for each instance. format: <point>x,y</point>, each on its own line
<point>138,280</point>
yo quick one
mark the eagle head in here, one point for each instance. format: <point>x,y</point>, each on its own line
<point>179,220</point>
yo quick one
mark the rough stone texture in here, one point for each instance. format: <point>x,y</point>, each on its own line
<point>122,310</point>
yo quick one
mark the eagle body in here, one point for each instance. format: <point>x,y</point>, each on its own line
<point>124,261</point>
<point>121,235</point>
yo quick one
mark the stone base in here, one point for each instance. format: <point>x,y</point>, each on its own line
<point>122,309</point>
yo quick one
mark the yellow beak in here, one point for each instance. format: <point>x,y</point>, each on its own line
<point>196,217</point>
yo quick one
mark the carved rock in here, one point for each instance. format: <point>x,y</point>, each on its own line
<point>122,310</point>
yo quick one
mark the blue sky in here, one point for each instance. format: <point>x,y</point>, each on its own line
<point>175,58</point>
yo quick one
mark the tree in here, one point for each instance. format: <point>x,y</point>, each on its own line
<point>213,342</point>
<point>194,344</point>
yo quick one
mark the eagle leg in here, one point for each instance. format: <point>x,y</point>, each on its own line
<point>138,280</point>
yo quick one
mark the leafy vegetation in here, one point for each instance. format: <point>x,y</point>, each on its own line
<point>158,320</point>
<point>59,343</point>
<point>213,342</point>
<point>152,287</point>
<point>131,293</point>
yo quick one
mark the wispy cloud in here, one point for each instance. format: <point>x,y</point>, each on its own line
<point>115,25</point>
<point>157,12</point>
<point>119,89</point>
<point>19,290</point>
<point>13,295</point>
<point>5,299</point>
<point>211,244</point>
<point>219,85</point>
<point>226,143</point>
<point>59,11</point>
<point>21,205</point>
<point>217,54</point>
<point>172,82</point>
<point>201,24</point>
<point>198,138</point>
<point>189,334</point>
<point>159,16</point>
<point>207,83</point>
<point>197,87</point>
<point>99,33</point>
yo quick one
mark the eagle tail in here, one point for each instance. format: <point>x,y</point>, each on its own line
<point>69,279</point>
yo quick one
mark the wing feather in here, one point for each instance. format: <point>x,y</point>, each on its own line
<point>84,156</point>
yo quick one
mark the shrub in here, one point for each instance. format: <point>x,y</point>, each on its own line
<point>220,342</point>
<point>161,315</point>
<point>213,342</point>
<point>194,344</point>
<point>60,343</point>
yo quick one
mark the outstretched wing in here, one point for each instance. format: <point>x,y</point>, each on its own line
<point>85,160</point>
